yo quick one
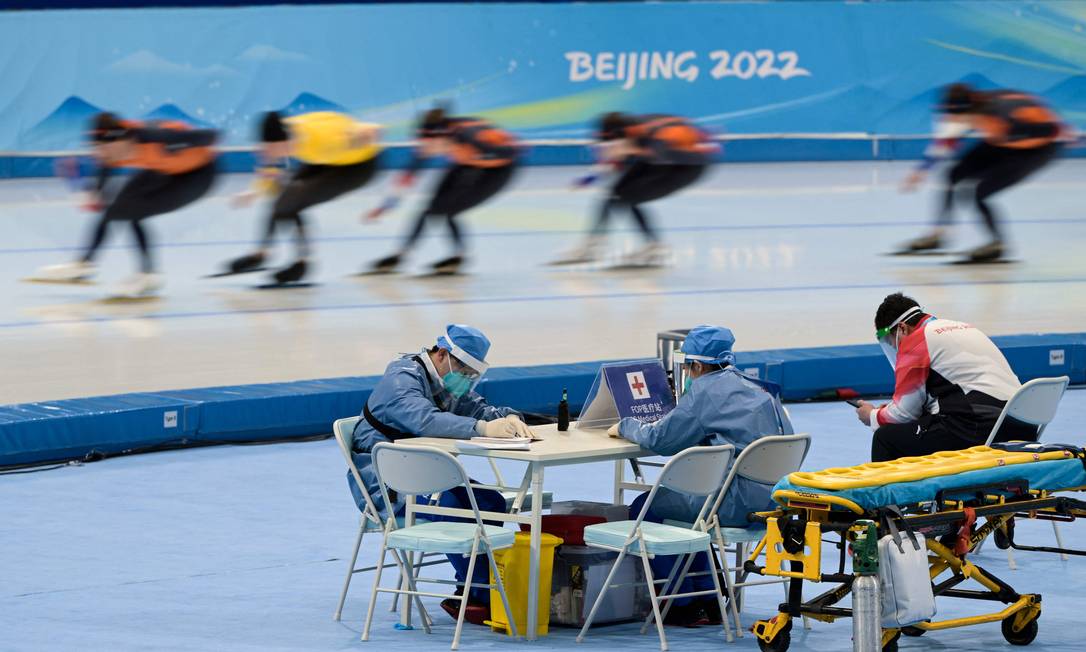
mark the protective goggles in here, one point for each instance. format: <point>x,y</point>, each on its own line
<point>884,335</point>
<point>471,365</point>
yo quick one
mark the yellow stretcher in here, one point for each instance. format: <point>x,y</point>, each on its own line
<point>943,496</point>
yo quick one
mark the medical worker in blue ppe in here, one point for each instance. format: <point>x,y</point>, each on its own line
<point>719,405</point>
<point>430,394</point>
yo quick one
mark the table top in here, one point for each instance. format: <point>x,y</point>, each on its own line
<point>571,447</point>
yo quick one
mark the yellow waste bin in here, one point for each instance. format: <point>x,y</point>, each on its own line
<point>514,565</point>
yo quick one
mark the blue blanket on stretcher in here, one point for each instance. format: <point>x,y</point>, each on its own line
<point>1050,475</point>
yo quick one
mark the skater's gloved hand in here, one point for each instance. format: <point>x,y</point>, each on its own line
<point>93,203</point>
<point>913,181</point>
<point>522,428</point>
<point>405,180</point>
<point>390,203</point>
<point>585,181</point>
<point>501,428</point>
<point>243,199</point>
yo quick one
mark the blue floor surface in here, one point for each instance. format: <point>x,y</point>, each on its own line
<point>242,548</point>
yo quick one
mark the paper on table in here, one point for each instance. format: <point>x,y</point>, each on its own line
<point>497,443</point>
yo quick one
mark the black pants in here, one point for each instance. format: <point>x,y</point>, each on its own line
<point>461,188</point>
<point>148,194</point>
<point>642,183</point>
<point>994,169</point>
<point>312,185</point>
<point>933,434</point>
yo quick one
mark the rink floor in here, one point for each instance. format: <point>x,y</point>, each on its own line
<point>243,548</point>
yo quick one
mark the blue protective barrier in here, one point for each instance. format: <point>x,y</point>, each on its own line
<point>38,432</point>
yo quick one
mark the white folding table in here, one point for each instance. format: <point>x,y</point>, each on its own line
<point>574,446</point>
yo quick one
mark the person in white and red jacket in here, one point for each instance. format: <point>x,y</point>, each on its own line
<point>950,385</point>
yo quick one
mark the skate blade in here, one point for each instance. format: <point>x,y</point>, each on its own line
<point>626,267</point>
<point>228,273</point>
<point>127,299</point>
<point>994,261</point>
<point>285,286</point>
<point>440,274</point>
<point>566,262</point>
<point>53,281</point>
<point>926,252</point>
<point>375,272</point>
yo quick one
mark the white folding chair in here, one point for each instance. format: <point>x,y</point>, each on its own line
<point>417,470</point>
<point>370,521</point>
<point>697,471</point>
<point>765,461</point>
<point>1034,403</point>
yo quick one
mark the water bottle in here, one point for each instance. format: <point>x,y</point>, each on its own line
<point>866,596</point>
<point>563,412</point>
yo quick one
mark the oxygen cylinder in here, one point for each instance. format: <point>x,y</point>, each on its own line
<point>866,597</point>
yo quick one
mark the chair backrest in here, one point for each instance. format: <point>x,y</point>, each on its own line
<point>697,471</point>
<point>415,470</point>
<point>769,459</point>
<point>1034,403</point>
<point>343,430</point>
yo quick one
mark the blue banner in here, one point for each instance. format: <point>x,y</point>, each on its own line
<point>543,70</point>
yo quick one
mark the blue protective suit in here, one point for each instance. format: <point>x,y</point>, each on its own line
<point>721,407</point>
<point>409,398</point>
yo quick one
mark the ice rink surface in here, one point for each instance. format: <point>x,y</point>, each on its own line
<point>786,255</point>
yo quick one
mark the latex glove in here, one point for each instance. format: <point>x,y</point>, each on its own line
<point>522,428</point>
<point>613,431</point>
<point>913,181</point>
<point>500,428</point>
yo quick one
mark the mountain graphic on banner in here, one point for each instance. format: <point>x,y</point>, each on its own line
<point>63,128</point>
<point>308,102</point>
<point>173,112</point>
<point>1070,93</point>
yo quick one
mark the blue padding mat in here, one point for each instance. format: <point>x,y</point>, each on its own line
<point>39,432</point>
<point>1050,475</point>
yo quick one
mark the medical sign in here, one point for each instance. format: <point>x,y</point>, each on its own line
<point>637,389</point>
<point>640,390</point>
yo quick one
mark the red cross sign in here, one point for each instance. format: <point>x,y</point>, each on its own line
<point>638,388</point>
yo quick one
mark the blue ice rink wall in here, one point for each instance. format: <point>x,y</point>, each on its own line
<point>842,70</point>
<point>38,432</point>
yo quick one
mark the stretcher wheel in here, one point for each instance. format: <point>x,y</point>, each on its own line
<point>913,631</point>
<point>1024,637</point>
<point>1001,540</point>
<point>780,642</point>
